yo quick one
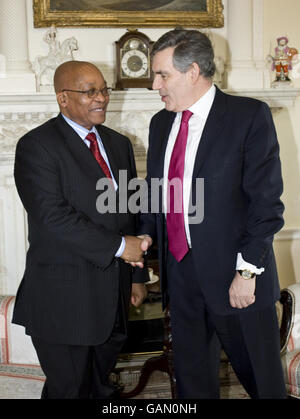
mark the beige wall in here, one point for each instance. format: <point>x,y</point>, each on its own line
<point>282,19</point>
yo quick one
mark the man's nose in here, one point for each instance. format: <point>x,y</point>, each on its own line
<point>101,97</point>
<point>156,83</point>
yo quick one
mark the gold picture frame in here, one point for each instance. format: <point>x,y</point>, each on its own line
<point>83,16</point>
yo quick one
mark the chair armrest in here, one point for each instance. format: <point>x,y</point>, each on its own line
<point>287,299</point>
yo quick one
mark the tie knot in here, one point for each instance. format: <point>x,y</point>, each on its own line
<point>91,137</point>
<point>186,116</point>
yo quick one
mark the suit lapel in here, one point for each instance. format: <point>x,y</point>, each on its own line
<point>111,151</point>
<point>166,126</point>
<point>79,149</point>
<point>212,130</point>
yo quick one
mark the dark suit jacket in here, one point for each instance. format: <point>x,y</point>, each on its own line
<point>238,157</point>
<point>70,289</point>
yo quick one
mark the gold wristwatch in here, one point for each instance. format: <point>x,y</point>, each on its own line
<point>246,274</point>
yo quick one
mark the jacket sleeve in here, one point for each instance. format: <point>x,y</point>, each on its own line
<point>148,219</point>
<point>38,183</point>
<point>263,186</point>
<point>138,275</point>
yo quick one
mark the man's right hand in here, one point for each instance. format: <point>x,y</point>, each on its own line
<point>146,242</point>
<point>133,251</point>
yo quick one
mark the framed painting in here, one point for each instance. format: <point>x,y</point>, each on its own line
<point>129,13</point>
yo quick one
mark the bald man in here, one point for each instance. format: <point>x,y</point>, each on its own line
<point>74,296</point>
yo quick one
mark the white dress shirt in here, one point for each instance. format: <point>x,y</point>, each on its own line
<point>197,122</point>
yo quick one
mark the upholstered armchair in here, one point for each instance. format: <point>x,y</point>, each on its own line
<point>289,318</point>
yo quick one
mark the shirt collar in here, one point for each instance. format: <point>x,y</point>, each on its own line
<point>81,131</point>
<point>202,107</point>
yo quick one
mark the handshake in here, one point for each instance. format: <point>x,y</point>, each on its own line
<point>135,248</point>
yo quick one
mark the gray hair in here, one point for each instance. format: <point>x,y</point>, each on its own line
<point>191,46</point>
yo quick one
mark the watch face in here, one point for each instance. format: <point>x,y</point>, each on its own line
<point>134,59</point>
<point>246,274</point>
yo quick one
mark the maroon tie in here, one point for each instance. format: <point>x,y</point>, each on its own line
<point>96,153</point>
<point>175,220</point>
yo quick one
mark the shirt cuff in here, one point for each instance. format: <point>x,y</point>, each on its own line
<point>242,264</point>
<point>121,249</point>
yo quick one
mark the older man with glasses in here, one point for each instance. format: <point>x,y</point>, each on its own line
<point>74,296</point>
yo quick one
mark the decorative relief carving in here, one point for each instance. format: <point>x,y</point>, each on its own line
<point>2,238</point>
<point>133,125</point>
<point>38,117</point>
<point>9,136</point>
<point>14,125</point>
<point>12,235</point>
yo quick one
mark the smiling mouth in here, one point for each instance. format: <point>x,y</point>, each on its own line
<point>98,110</point>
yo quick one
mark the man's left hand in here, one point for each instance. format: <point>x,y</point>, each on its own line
<point>241,291</point>
<point>138,294</point>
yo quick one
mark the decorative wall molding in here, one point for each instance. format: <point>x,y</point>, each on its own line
<point>275,98</point>
<point>288,234</point>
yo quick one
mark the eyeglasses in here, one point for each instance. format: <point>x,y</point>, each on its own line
<point>92,93</point>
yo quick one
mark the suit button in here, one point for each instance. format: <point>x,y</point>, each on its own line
<point>116,263</point>
<point>121,232</point>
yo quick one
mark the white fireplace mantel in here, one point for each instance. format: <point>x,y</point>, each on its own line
<point>129,112</point>
<point>130,100</point>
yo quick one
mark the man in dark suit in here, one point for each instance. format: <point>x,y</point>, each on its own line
<point>74,296</point>
<point>217,265</point>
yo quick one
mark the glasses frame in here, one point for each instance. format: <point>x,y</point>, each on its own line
<point>86,92</point>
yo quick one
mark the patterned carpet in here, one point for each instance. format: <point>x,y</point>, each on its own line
<point>26,382</point>
<point>20,381</point>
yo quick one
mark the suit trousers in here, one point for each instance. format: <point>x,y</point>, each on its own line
<point>81,372</point>
<point>250,340</point>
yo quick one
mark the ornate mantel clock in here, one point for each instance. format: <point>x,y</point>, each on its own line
<point>133,60</point>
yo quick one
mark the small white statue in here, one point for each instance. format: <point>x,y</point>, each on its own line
<point>220,70</point>
<point>50,38</point>
<point>45,66</point>
<point>219,62</point>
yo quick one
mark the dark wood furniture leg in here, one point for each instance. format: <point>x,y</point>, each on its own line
<point>163,362</point>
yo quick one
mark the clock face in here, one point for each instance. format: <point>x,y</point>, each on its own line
<point>135,64</point>
<point>134,59</point>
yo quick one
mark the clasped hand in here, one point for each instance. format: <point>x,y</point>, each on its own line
<point>135,248</point>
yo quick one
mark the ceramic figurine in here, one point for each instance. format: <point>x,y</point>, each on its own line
<point>282,60</point>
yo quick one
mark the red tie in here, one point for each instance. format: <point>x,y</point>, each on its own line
<point>175,220</point>
<point>96,153</point>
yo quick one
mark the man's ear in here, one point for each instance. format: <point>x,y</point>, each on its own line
<point>194,72</point>
<point>62,99</point>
